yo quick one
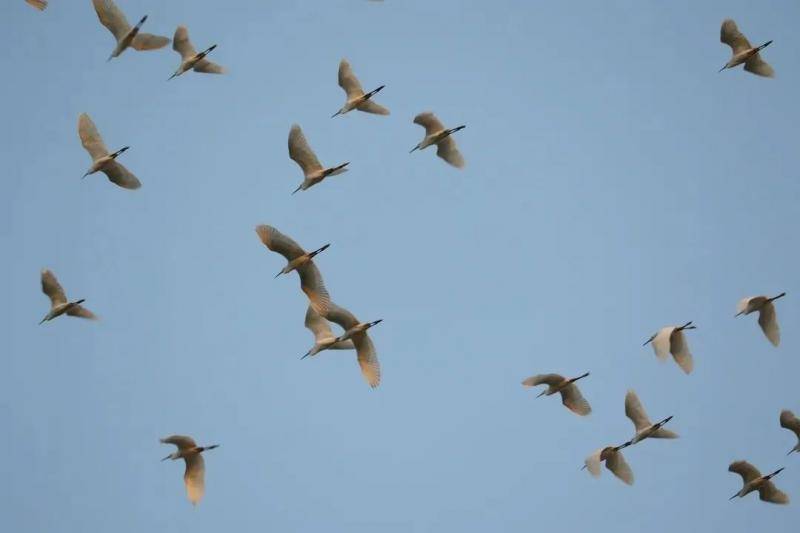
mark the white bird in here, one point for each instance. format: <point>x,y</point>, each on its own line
<point>644,427</point>
<point>436,133</point>
<point>58,300</point>
<point>41,5</point>
<point>356,99</point>
<point>671,340</point>
<point>190,452</point>
<point>302,154</point>
<point>114,19</point>
<point>571,395</point>
<point>102,160</point>
<point>356,331</point>
<point>743,51</point>
<point>792,423</point>
<point>324,339</point>
<point>301,261</point>
<point>753,480</point>
<point>190,59</point>
<point>767,318</point>
<point>614,460</point>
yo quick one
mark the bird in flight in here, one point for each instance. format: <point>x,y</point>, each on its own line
<point>753,480</point>
<point>301,153</point>
<point>436,133</point>
<point>571,395</point>
<point>190,59</point>
<point>671,340</point>
<point>59,305</point>
<point>114,19</point>
<point>356,98</point>
<point>644,427</point>
<point>615,462</point>
<point>789,421</point>
<point>743,51</point>
<point>102,160</point>
<point>767,318</point>
<point>190,452</point>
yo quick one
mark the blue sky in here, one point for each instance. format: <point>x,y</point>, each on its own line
<point>615,183</point>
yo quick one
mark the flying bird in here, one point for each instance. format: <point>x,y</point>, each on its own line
<point>58,300</point>
<point>436,133</point>
<point>190,452</point>
<point>356,99</point>
<point>644,427</point>
<point>743,51</point>
<point>671,340</point>
<point>114,19</point>
<point>324,339</point>
<point>302,154</point>
<point>792,423</point>
<point>102,160</point>
<point>190,59</point>
<point>753,480</point>
<point>767,318</point>
<point>41,5</point>
<point>614,460</point>
<point>300,261</point>
<point>571,395</point>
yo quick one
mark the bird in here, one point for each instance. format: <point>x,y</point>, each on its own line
<point>571,395</point>
<point>615,462</point>
<point>190,59</point>
<point>356,331</point>
<point>644,427</point>
<point>114,19</point>
<point>436,133</point>
<point>753,480</point>
<point>102,160</point>
<point>302,154</point>
<point>301,261</point>
<point>190,452</point>
<point>59,305</point>
<point>356,99</point>
<point>324,339</point>
<point>41,5</point>
<point>767,318</point>
<point>670,339</point>
<point>792,423</point>
<point>743,51</point>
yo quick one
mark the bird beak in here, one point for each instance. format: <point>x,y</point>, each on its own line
<point>165,458</point>
<point>337,113</point>
<point>412,150</point>
<point>720,70</point>
<point>739,313</point>
<point>278,274</point>
<point>649,340</point>
<point>732,497</point>
<point>306,355</point>
<point>175,74</point>
<point>297,189</point>
<point>541,393</point>
<point>374,323</point>
<point>84,175</point>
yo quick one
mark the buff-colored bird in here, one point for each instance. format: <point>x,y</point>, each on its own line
<point>644,427</point>
<point>356,98</point>
<point>743,51</point>
<point>671,340</point>
<point>301,153</point>
<point>767,318</point>
<point>753,480</point>
<point>190,452</point>
<point>114,19</point>
<point>190,59</point>
<point>324,339</point>
<point>301,261</point>
<point>59,305</point>
<point>615,462</point>
<point>41,5</point>
<point>792,423</point>
<point>102,160</point>
<point>436,133</point>
<point>571,395</point>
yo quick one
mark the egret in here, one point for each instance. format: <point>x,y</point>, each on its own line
<point>571,395</point>
<point>114,19</point>
<point>743,51</point>
<point>194,476</point>
<point>58,300</point>
<point>300,261</point>
<point>191,60</point>
<point>41,5</point>
<point>671,340</point>
<point>792,423</point>
<point>356,99</point>
<point>302,154</point>
<point>614,460</point>
<point>767,318</point>
<point>324,339</point>
<point>102,160</point>
<point>753,480</point>
<point>644,427</point>
<point>356,331</point>
<point>436,133</point>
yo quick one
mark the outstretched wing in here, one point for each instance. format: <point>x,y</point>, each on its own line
<point>148,41</point>
<point>181,441</point>
<point>758,66</point>
<point>312,284</point>
<point>367,359</point>
<point>768,492</point>
<point>730,35</point>
<point>790,422</point>
<point>52,288</point>
<point>744,469</point>
<point>80,311</point>
<point>112,18</point>
<point>680,351</point>
<point>301,153</point>
<point>348,81</point>
<point>279,243</point>
<point>573,400</point>
<point>41,5</point>
<point>194,477</point>
<point>544,379</point>
<point>90,137</point>
<point>182,44</point>
<point>619,467</point>
<point>369,106</point>
<point>635,411</point>
<point>768,321</point>
<point>208,67</point>
<point>447,150</point>
<point>119,175</point>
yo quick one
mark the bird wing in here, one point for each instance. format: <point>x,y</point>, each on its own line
<point>148,41</point>
<point>81,312</point>
<point>768,321</point>
<point>181,441</point>
<point>367,359</point>
<point>194,477</point>
<point>312,284</point>
<point>573,400</point>
<point>369,106</point>
<point>208,67</point>
<point>429,121</point>
<point>730,35</point>
<point>768,492</point>
<point>340,315</point>
<point>447,150</point>
<point>112,18</point>
<point>744,469</point>
<point>120,175</point>
<point>348,81</point>
<point>90,137</point>
<point>321,329</point>
<point>278,242</point>
<point>182,44</point>
<point>593,463</point>
<point>661,342</point>
<point>41,5</point>
<point>52,288</point>
<point>680,351</point>
<point>790,422</point>
<point>301,153</point>
<point>663,433</point>
<point>615,462</point>
<point>635,411</point>
<point>758,66</point>
<point>544,379</point>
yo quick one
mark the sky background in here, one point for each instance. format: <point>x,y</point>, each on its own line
<point>615,183</point>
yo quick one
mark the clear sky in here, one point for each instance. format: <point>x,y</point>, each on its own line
<point>615,183</point>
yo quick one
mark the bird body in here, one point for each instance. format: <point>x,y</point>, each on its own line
<point>671,340</point>
<point>324,339</point>
<point>571,395</point>
<point>767,318</point>
<point>190,58</point>
<point>301,153</point>
<point>754,481</point>
<point>644,427</point>
<point>114,19</point>
<point>190,452</point>
<point>59,305</point>
<point>743,51</point>
<point>789,421</point>
<point>102,160</point>
<point>436,133</point>
<point>356,98</point>
<point>614,460</point>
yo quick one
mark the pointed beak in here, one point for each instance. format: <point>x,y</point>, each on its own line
<point>297,189</point>
<point>413,149</point>
<point>306,355</point>
<point>648,341</point>
<point>82,177</point>
<point>720,70</point>
<point>278,274</point>
<point>374,323</point>
<point>732,497</point>
<point>165,458</point>
<point>337,113</point>
<point>541,393</point>
<point>739,313</point>
<point>173,75</point>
